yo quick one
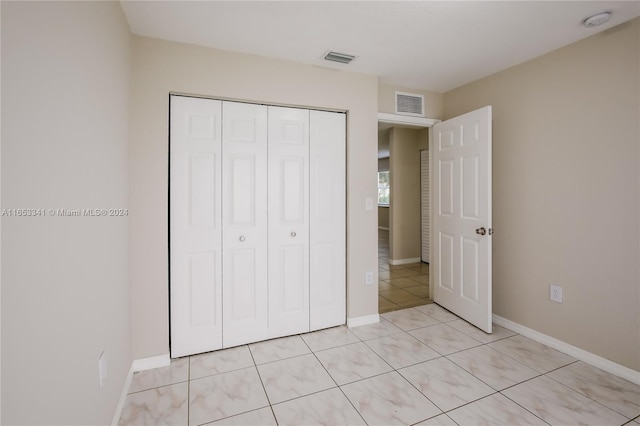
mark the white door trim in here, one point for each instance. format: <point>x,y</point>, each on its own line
<point>419,122</point>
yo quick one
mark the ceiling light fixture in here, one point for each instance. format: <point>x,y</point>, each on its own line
<point>343,58</point>
<point>597,19</point>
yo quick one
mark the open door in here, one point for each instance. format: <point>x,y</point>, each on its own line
<point>462,225</point>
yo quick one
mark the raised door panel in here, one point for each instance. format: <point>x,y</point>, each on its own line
<point>327,219</point>
<point>288,179</point>
<point>244,149</point>
<point>195,226</point>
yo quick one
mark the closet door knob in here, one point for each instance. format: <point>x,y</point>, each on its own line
<point>242,238</point>
<point>293,233</point>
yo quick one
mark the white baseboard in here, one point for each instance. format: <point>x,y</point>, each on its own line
<point>137,365</point>
<point>151,362</point>
<point>580,354</point>
<point>404,261</point>
<point>366,320</point>
<point>383,228</point>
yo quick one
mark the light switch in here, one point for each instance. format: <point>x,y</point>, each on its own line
<point>368,203</point>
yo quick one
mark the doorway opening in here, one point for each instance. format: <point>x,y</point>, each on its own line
<point>400,286</point>
<point>403,269</point>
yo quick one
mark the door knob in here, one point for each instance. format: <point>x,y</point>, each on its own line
<point>293,233</point>
<point>242,238</point>
<point>481,231</point>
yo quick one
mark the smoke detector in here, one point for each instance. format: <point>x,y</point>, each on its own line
<point>597,19</point>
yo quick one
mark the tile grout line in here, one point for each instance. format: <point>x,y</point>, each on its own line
<point>255,365</point>
<point>477,378</point>
<point>239,369</point>
<point>580,393</point>
<point>446,357</point>
<point>158,387</point>
<point>394,370</point>
<point>520,405</point>
<point>414,386</point>
<point>273,413</point>
<point>488,385</point>
<point>334,380</point>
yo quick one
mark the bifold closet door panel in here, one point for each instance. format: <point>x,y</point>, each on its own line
<point>195,226</point>
<point>245,227</point>
<point>327,219</point>
<point>288,221</point>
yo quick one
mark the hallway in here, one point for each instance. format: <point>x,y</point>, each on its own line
<point>400,286</point>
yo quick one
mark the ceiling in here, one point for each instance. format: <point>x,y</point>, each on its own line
<point>425,45</point>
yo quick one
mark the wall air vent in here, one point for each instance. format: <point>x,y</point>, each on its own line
<point>343,58</point>
<point>409,104</point>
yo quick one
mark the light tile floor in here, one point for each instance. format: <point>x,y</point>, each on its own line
<point>420,365</point>
<point>399,286</point>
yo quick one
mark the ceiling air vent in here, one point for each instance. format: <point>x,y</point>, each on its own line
<point>409,104</point>
<point>343,58</point>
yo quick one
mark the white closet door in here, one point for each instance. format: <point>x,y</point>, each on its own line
<point>195,226</point>
<point>288,221</point>
<point>327,219</point>
<point>244,204</point>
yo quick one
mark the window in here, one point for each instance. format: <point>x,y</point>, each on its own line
<point>383,188</point>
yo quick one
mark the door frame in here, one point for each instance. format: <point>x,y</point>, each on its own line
<point>417,123</point>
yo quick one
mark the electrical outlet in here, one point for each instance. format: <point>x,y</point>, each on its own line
<point>368,278</point>
<point>102,367</point>
<point>555,293</point>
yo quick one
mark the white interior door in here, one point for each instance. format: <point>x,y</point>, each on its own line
<point>195,226</point>
<point>288,221</point>
<point>327,219</point>
<point>461,150</point>
<point>245,228</point>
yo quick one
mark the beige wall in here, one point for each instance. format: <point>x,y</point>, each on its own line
<point>433,102</point>
<point>383,164</point>
<point>423,142</point>
<point>565,191</point>
<point>383,217</point>
<point>160,67</point>
<point>404,215</point>
<point>638,122</point>
<point>65,280</point>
